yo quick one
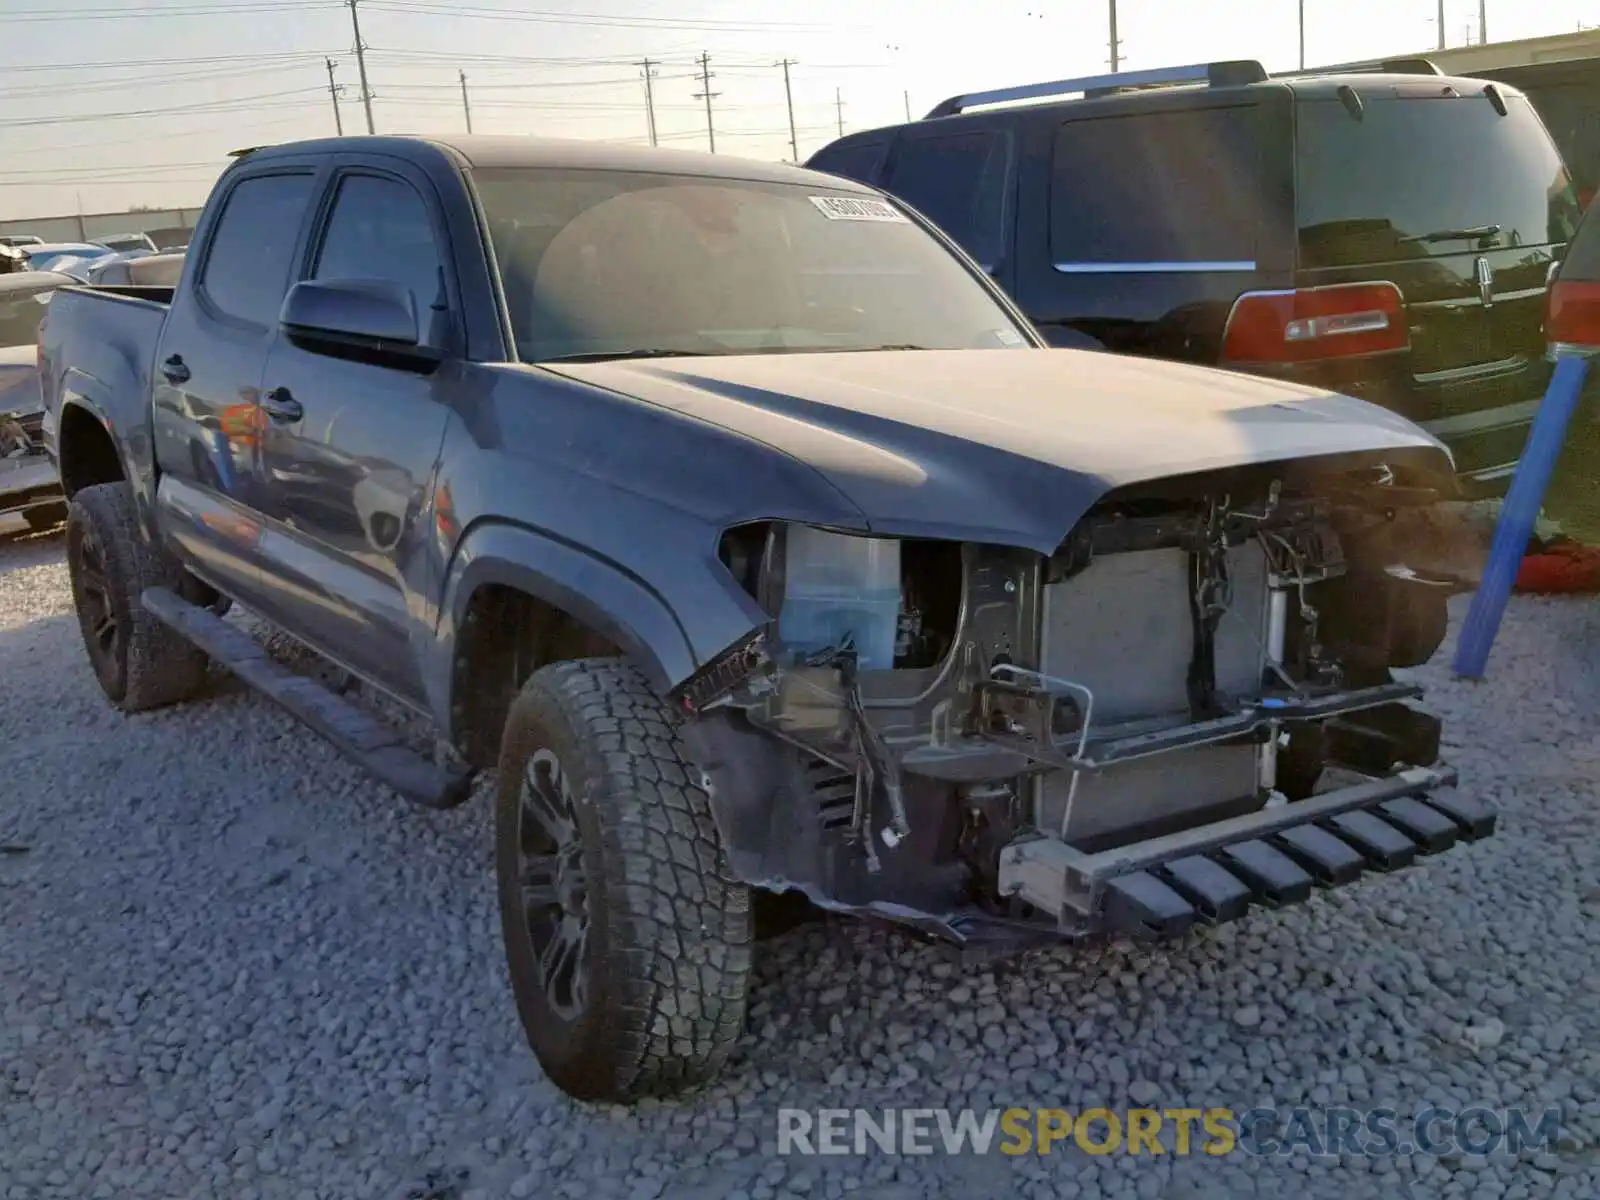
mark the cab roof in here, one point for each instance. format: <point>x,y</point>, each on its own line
<point>500,152</point>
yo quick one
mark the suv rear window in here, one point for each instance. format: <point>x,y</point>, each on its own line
<point>1179,188</point>
<point>1396,183</point>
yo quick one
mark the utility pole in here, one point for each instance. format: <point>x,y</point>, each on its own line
<point>333,91</point>
<point>1483,22</point>
<point>466,105</point>
<point>707,95</point>
<point>1116,42</point>
<point>788,96</point>
<point>1441,24</point>
<point>907,95</point>
<point>1302,35</point>
<point>838,104</point>
<point>649,66</point>
<point>361,64</point>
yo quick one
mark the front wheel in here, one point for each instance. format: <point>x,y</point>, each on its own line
<point>627,938</point>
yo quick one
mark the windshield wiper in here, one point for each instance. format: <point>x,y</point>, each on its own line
<point>609,355</point>
<point>1476,232</point>
<point>874,349</point>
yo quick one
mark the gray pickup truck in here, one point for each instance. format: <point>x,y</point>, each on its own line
<point>735,518</point>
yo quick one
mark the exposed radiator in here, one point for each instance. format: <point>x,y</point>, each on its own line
<point>1122,628</point>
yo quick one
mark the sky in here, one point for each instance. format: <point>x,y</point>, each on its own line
<point>106,104</point>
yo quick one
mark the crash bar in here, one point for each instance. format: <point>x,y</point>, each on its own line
<point>1233,73</point>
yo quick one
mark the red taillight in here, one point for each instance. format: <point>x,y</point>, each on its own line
<point>1572,321</point>
<point>1314,323</point>
<point>1584,197</point>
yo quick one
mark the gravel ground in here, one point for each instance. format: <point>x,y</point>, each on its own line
<point>232,967</point>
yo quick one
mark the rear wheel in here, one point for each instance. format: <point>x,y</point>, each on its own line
<point>139,662</point>
<point>628,940</point>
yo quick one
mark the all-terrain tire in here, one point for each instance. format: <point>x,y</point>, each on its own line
<point>669,929</point>
<point>144,664</point>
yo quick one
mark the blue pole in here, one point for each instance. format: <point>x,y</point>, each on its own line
<point>1521,509</point>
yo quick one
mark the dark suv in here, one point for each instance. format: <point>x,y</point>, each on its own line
<point>1388,234</point>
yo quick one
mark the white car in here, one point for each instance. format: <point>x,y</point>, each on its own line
<point>29,487</point>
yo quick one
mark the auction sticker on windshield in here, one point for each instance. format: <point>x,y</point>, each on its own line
<point>858,208</point>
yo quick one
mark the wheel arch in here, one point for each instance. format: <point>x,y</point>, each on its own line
<point>515,600</point>
<point>87,451</point>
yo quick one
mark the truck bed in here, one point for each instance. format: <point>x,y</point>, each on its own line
<point>109,336</point>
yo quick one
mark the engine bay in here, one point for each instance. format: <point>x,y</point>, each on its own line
<point>916,711</point>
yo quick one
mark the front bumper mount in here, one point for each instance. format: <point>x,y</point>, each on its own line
<point>1274,857</point>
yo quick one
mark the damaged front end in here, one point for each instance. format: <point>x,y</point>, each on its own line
<point>1186,709</point>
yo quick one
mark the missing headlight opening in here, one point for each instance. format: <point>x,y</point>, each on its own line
<point>1035,746</point>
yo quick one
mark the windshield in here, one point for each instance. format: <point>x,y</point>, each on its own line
<point>605,264</point>
<point>1418,175</point>
<point>20,314</point>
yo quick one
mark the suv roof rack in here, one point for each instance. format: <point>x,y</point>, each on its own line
<point>247,151</point>
<point>1233,73</point>
<point>1413,65</point>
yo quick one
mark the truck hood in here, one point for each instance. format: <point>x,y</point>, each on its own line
<point>1004,446</point>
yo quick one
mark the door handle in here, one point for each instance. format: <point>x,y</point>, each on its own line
<point>281,406</point>
<point>175,369</point>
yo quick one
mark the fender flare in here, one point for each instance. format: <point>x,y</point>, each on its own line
<point>602,594</point>
<point>74,398</point>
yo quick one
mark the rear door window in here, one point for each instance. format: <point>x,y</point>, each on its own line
<point>957,180</point>
<point>252,251</point>
<point>1177,189</point>
<point>1418,176</point>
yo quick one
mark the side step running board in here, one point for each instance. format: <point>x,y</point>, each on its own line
<point>357,735</point>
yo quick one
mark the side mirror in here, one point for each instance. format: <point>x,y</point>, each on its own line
<point>357,318</point>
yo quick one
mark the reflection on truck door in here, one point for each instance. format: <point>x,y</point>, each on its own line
<point>349,475</point>
<point>208,374</point>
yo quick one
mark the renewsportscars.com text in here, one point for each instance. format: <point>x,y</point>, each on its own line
<point>1215,1132</point>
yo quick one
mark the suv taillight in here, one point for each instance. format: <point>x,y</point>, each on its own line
<point>1572,319</point>
<point>1315,323</point>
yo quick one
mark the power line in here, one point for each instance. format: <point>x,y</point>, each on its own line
<point>143,82</point>
<point>484,87</point>
<point>229,105</point>
<point>140,63</point>
<point>705,93</point>
<point>42,15</point>
<point>605,20</point>
<point>232,127</point>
